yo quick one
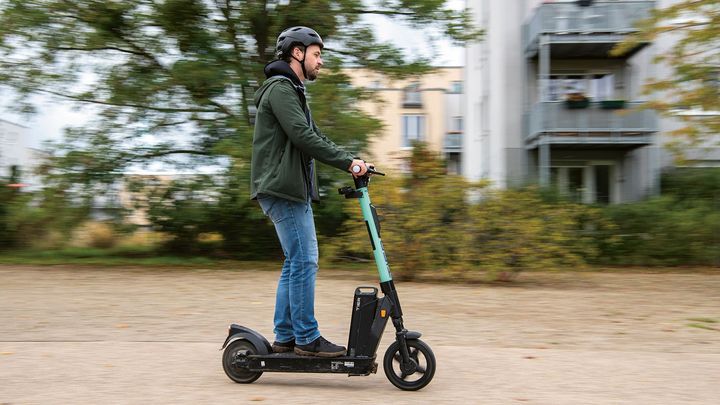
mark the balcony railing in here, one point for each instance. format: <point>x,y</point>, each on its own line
<point>592,124</point>
<point>453,142</point>
<point>604,21</point>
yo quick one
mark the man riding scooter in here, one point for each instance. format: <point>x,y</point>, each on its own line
<point>286,143</point>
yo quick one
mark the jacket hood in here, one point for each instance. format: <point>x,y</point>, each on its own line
<point>281,68</point>
<point>278,68</point>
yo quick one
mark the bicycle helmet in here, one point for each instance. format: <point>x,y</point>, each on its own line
<point>295,36</point>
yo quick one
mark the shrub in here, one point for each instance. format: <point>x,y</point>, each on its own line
<point>665,231</point>
<point>680,227</point>
<point>93,234</point>
<point>515,230</point>
<point>429,225</point>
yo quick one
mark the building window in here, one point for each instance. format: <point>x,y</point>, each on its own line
<point>456,124</point>
<point>413,128</point>
<point>570,182</point>
<point>456,87</point>
<point>412,96</point>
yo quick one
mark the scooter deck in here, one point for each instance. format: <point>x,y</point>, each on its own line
<point>291,362</point>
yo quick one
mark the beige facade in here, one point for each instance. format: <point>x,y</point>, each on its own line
<point>426,108</point>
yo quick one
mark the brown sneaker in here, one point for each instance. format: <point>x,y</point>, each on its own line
<point>283,347</point>
<point>321,348</point>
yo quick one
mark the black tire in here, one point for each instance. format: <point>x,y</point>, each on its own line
<point>424,360</point>
<point>229,361</point>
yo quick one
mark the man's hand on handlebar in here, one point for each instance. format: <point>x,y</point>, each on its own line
<point>359,167</point>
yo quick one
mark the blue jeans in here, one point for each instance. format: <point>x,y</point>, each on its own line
<point>295,299</point>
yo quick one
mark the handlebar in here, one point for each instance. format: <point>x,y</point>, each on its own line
<point>370,169</point>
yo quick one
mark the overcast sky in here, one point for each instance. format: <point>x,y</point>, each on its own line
<point>54,115</point>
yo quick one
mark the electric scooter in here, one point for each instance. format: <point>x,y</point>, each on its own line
<point>409,363</point>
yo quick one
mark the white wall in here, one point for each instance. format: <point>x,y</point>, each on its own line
<point>474,89</point>
<point>13,146</point>
<point>15,150</point>
<point>493,145</point>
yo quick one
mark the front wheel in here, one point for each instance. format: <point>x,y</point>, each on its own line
<point>413,375</point>
<point>235,361</point>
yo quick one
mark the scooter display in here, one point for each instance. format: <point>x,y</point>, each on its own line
<point>409,363</point>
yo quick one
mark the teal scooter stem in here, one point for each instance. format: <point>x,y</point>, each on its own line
<point>373,225</point>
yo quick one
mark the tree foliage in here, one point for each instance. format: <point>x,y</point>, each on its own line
<point>691,93</point>
<point>176,77</point>
<point>172,81</point>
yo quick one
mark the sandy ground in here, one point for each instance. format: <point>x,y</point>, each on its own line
<point>137,336</point>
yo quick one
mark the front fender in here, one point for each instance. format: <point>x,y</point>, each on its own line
<point>410,335</point>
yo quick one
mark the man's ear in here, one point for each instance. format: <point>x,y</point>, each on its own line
<point>298,52</point>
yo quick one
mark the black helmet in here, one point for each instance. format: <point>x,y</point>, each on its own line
<point>294,35</point>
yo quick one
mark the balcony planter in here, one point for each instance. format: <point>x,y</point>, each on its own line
<point>612,104</point>
<point>575,101</point>
<point>577,104</point>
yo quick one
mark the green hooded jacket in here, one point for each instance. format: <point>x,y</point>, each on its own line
<point>286,140</point>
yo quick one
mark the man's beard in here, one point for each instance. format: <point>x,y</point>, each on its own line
<point>311,74</point>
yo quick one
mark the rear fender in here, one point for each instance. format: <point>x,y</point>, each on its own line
<point>237,332</point>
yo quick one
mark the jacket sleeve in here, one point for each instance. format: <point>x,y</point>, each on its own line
<point>323,136</point>
<point>285,104</point>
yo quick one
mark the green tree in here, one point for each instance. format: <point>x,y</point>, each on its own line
<point>189,67</point>
<point>695,63</point>
<point>173,80</point>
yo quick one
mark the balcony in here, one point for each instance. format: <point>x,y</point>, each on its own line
<point>584,32</point>
<point>592,126</point>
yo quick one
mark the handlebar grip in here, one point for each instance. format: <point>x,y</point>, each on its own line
<point>370,170</point>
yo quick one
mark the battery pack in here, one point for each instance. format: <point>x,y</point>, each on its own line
<point>365,303</point>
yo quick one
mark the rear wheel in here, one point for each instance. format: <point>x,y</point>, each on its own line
<point>416,373</point>
<point>235,362</point>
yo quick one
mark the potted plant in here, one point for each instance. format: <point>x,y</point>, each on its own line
<point>575,101</point>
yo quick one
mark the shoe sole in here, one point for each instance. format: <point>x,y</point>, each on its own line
<point>280,349</point>
<point>302,352</point>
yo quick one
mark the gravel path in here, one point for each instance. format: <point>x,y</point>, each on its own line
<point>131,336</point>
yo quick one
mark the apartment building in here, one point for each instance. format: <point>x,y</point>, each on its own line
<point>428,108</point>
<point>547,103</point>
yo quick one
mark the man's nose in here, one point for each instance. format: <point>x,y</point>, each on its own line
<point>320,62</point>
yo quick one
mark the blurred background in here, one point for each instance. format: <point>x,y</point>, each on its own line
<point>527,135</point>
